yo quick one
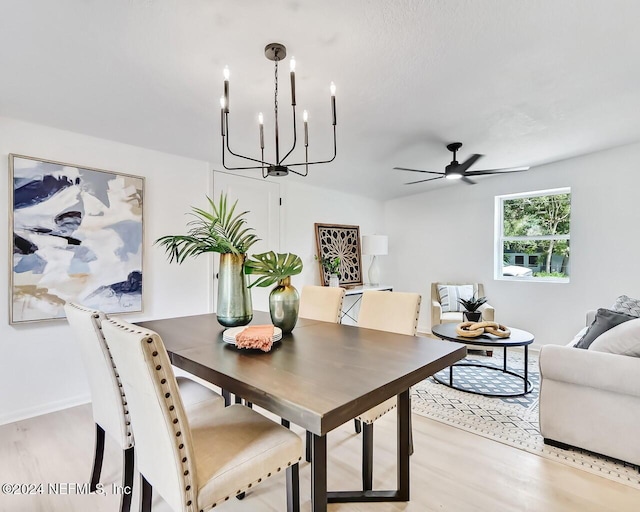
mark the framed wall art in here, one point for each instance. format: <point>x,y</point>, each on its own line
<point>76,235</point>
<point>338,240</point>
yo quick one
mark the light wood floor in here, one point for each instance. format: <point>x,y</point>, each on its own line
<point>452,470</point>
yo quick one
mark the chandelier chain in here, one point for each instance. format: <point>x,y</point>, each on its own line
<point>275,94</point>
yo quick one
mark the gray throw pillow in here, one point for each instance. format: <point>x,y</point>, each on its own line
<point>627,305</point>
<point>605,320</point>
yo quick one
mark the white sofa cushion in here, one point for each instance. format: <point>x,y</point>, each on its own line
<point>605,320</point>
<point>450,294</point>
<point>623,339</point>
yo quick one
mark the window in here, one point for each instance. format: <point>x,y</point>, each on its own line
<point>534,228</point>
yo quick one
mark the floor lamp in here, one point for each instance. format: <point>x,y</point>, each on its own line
<point>374,245</point>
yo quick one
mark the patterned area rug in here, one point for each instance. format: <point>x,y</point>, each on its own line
<point>488,381</point>
<point>511,421</point>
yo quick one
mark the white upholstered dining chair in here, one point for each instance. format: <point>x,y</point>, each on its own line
<point>395,312</point>
<point>195,461</point>
<point>108,401</point>
<point>322,303</point>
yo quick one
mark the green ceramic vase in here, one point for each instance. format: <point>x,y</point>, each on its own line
<point>234,298</point>
<point>284,303</point>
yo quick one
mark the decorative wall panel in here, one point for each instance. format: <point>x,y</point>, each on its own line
<point>337,240</point>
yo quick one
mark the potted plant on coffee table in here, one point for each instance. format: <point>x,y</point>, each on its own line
<point>472,305</point>
<point>284,300</point>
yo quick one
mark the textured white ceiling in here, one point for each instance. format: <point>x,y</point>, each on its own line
<point>524,83</point>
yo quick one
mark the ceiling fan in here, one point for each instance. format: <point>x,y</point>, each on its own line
<point>458,171</point>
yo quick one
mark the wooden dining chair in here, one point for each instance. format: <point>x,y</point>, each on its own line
<point>321,303</point>
<point>108,401</point>
<point>395,312</point>
<point>194,460</point>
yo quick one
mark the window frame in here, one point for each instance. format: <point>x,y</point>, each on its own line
<point>499,237</point>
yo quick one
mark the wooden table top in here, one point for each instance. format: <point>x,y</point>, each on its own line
<point>319,376</point>
<point>517,338</point>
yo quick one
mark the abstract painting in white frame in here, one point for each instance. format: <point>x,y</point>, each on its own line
<point>76,235</point>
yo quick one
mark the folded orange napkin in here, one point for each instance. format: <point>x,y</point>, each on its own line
<point>256,336</point>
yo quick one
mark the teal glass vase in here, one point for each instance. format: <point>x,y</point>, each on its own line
<point>284,303</point>
<point>234,306</point>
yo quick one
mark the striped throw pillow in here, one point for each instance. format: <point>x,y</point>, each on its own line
<point>449,295</point>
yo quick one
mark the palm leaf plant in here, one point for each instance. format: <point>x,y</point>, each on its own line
<point>221,230</point>
<point>473,303</point>
<point>272,267</point>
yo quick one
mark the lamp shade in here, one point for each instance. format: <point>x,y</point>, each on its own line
<point>376,245</point>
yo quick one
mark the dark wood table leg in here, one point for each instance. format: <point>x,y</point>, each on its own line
<point>97,459</point>
<point>319,474</point>
<point>505,359</point>
<point>404,410</point>
<point>308,443</point>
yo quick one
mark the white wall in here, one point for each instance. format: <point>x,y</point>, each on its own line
<point>40,370</point>
<point>448,234</point>
<point>304,205</point>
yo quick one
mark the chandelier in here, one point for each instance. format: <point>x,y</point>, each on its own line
<point>275,52</point>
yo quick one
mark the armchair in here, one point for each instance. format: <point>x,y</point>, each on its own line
<point>439,315</point>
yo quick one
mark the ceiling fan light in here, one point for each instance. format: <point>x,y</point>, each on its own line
<point>453,176</point>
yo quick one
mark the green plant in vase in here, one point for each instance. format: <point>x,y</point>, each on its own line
<point>284,301</point>
<point>472,305</point>
<point>331,267</point>
<point>223,231</point>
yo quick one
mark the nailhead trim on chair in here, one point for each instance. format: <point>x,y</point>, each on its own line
<point>127,420</point>
<point>378,416</point>
<point>249,485</point>
<point>151,349</point>
<point>187,481</point>
<point>340,309</point>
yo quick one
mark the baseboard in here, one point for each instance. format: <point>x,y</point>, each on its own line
<point>39,410</point>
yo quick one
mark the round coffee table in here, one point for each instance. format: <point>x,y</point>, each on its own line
<point>518,338</point>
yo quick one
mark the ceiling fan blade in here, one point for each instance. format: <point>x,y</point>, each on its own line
<point>467,181</point>
<point>417,170</point>
<point>467,163</point>
<point>506,170</point>
<point>422,181</point>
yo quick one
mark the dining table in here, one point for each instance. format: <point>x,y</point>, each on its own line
<point>319,377</point>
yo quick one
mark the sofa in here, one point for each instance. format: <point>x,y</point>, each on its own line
<point>590,399</point>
